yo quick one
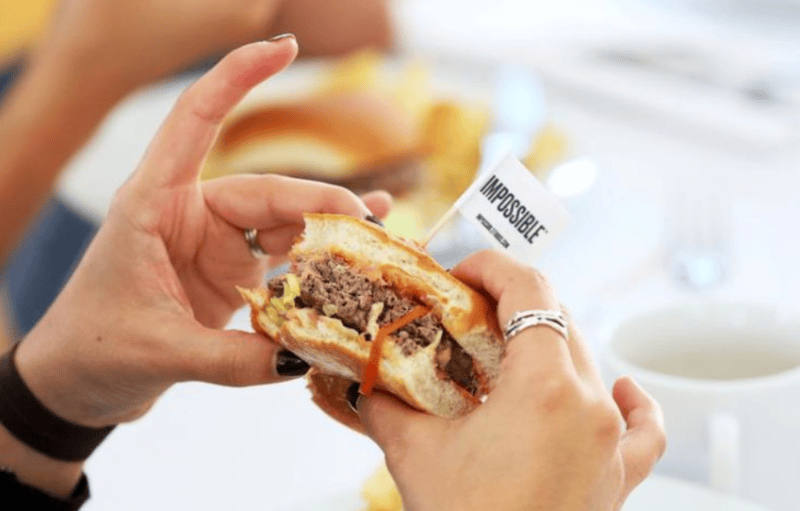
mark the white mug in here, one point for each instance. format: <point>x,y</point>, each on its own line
<point>727,376</point>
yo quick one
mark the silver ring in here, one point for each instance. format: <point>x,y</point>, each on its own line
<point>525,319</point>
<point>256,250</point>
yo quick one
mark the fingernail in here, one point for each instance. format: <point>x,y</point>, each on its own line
<point>374,220</point>
<point>289,364</point>
<point>279,37</point>
<point>352,396</point>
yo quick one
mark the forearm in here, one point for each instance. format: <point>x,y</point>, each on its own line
<point>50,113</point>
<point>333,27</point>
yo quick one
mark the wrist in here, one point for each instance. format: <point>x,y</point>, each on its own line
<point>55,477</point>
<point>75,365</point>
<point>50,372</point>
<point>15,490</point>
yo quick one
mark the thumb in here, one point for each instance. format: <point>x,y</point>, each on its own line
<point>237,358</point>
<point>394,426</point>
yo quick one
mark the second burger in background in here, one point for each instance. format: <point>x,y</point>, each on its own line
<point>369,122</point>
<point>358,140</point>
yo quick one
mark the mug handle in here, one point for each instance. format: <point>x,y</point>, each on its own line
<point>724,446</point>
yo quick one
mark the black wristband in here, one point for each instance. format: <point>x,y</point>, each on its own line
<point>30,497</point>
<point>36,426</point>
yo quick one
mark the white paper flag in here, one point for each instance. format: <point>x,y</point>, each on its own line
<point>509,206</point>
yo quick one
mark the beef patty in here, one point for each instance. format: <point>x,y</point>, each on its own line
<point>331,284</point>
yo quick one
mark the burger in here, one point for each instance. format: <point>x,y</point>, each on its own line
<point>358,140</point>
<point>361,304</point>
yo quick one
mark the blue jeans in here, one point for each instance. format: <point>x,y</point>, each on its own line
<point>41,264</point>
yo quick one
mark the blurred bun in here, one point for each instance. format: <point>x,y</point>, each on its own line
<point>358,140</point>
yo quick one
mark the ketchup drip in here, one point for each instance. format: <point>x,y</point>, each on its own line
<point>371,371</point>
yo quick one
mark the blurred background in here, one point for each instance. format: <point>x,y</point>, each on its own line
<point>669,128</point>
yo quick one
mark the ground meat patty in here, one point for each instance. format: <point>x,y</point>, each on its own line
<point>332,282</point>
<point>456,363</point>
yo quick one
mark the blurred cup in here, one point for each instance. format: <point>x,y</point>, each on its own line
<point>728,378</point>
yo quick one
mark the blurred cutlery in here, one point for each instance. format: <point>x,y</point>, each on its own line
<point>698,238</point>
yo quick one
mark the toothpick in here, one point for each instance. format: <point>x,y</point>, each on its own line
<point>441,223</point>
<point>450,212</point>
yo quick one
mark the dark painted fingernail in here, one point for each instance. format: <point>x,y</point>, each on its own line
<point>289,364</point>
<point>352,396</point>
<point>280,37</point>
<point>374,220</point>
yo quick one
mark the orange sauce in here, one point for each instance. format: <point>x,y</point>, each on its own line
<point>371,371</point>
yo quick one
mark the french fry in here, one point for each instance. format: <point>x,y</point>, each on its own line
<point>381,493</point>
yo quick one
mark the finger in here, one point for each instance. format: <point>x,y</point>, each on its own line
<point>583,360</point>
<point>394,426</point>
<point>514,285</point>
<point>265,201</point>
<point>275,204</point>
<point>379,202</point>
<point>534,353</point>
<point>235,358</point>
<point>279,239</point>
<point>644,442</point>
<point>182,143</point>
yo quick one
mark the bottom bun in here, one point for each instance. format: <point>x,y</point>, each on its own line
<point>339,356</point>
<point>334,349</point>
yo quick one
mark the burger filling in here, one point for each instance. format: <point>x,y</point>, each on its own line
<point>333,289</point>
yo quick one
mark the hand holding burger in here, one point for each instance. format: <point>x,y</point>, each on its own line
<point>145,307</point>
<point>522,424</point>
<point>549,436</point>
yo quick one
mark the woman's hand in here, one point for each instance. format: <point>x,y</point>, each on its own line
<point>549,436</point>
<point>143,309</point>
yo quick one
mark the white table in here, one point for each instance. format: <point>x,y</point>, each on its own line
<point>207,447</point>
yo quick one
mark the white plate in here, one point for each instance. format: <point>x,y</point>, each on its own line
<point>658,493</point>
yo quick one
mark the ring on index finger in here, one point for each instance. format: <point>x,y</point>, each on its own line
<point>256,250</point>
<point>522,320</point>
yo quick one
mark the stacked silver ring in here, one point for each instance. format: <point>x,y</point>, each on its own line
<point>525,319</point>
